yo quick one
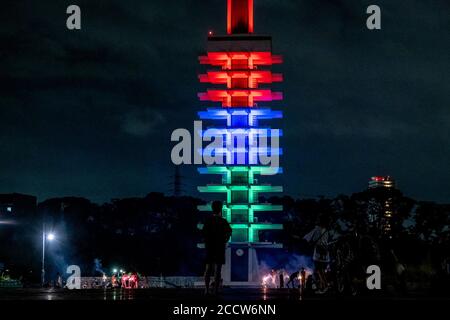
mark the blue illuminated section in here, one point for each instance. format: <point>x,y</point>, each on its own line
<point>243,132</point>
<point>240,117</point>
<point>242,146</point>
<point>226,171</point>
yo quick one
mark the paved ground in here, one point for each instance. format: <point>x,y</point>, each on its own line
<point>140,294</point>
<point>191,295</point>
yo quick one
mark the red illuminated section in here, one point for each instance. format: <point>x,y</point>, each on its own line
<point>241,79</point>
<point>241,73</point>
<point>241,63</point>
<point>240,17</point>
<point>240,60</point>
<point>240,98</point>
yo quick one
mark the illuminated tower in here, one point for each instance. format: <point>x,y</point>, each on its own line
<point>382,207</point>
<point>240,75</point>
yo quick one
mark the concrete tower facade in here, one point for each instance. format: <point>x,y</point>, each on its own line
<point>240,72</point>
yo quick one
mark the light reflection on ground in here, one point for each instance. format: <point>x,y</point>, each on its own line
<point>238,294</point>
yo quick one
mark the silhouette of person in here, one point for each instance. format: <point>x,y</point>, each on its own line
<point>321,237</point>
<point>292,278</point>
<point>281,278</point>
<point>216,233</point>
<point>58,282</point>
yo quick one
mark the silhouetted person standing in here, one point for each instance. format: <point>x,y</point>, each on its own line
<point>58,282</point>
<point>281,278</point>
<point>320,236</point>
<point>216,232</point>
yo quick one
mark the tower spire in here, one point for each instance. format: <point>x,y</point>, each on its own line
<point>240,17</point>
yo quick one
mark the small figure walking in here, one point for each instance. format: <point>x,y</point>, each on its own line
<point>292,279</point>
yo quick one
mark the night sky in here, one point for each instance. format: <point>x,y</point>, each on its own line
<point>90,113</point>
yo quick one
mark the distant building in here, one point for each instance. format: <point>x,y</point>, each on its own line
<point>382,208</point>
<point>381,182</point>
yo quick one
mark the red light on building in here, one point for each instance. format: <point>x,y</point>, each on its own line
<point>229,60</point>
<point>241,79</point>
<point>240,17</point>
<point>240,98</point>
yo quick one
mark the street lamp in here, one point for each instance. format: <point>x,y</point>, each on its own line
<point>49,237</point>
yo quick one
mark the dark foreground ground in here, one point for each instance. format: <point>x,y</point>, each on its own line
<point>194,295</point>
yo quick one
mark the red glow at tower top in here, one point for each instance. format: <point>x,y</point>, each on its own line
<point>240,17</point>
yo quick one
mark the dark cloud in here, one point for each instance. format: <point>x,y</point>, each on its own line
<point>142,122</point>
<point>90,112</point>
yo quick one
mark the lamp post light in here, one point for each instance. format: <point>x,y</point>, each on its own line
<point>45,237</point>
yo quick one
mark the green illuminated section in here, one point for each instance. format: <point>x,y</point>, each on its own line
<point>237,194</point>
<point>249,232</point>
<point>248,209</point>
<point>241,207</point>
<point>239,175</point>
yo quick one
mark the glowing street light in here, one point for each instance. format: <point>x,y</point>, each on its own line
<point>49,237</point>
